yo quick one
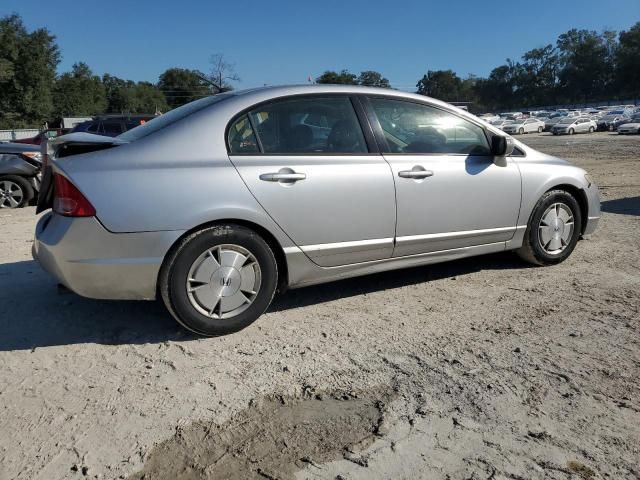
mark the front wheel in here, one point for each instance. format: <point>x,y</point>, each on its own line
<point>219,280</point>
<point>15,192</point>
<point>591,129</point>
<point>553,230</point>
<point>540,129</point>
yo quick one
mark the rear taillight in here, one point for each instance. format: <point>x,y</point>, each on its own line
<point>67,199</point>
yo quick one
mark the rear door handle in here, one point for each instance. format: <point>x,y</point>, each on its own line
<point>416,174</point>
<point>286,177</point>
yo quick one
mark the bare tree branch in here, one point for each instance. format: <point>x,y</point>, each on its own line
<point>222,73</point>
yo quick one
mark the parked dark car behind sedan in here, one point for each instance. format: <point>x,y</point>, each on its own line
<point>612,121</point>
<point>19,174</point>
<point>112,125</point>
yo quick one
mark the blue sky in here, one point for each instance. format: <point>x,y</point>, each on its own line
<point>279,42</point>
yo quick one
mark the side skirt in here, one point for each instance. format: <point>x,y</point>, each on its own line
<point>303,272</point>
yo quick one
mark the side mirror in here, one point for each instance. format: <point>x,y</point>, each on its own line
<point>502,146</point>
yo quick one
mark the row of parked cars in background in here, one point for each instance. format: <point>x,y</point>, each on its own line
<point>21,161</point>
<point>624,119</point>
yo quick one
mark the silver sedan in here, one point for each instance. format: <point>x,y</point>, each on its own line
<point>524,125</point>
<point>218,204</point>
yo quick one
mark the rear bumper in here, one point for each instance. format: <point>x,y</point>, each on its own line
<point>93,262</point>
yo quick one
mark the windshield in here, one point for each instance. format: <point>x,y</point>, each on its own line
<point>566,121</point>
<point>171,117</point>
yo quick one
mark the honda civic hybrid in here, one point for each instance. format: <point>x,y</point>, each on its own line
<point>218,204</point>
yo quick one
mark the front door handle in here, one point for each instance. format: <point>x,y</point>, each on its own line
<point>415,173</point>
<point>284,175</point>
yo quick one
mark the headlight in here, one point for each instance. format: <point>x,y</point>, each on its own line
<point>33,155</point>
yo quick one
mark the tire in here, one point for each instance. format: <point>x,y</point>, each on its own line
<point>536,248</point>
<point>591,129</point>
<point>611,129</point>
<point>15,192</point>
<point>521,131</point>
<point>571,131</point>
<point>250,284</point>
<point>540,129</point>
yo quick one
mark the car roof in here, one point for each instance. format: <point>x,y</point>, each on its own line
<point>260,94</point>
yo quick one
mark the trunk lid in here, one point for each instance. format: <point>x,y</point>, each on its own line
<point>65,146</point>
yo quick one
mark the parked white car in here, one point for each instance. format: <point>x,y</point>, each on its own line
<point>501,123</point>
<point>569,126</point>
<point>527,125</point>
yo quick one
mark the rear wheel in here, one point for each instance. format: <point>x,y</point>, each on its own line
<point>571,131</point>
<point>219,280</point>
<point>553,230</point>
<point>521,131</point>
<point>15,192</point>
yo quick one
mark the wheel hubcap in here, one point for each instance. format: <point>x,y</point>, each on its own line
<point>11,194</point>
<point>556,228</point>
<point>224,281</point>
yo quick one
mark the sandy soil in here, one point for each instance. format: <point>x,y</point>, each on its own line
<point>478,369</point>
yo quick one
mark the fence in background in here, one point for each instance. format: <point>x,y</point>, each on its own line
<point>10,135</point>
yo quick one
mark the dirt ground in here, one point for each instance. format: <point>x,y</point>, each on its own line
<point>478,369</point>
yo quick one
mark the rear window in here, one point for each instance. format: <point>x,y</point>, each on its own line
<point>171,117</point>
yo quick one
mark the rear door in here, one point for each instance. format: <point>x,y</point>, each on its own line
<point>314,169</point>
<point>450,192</point>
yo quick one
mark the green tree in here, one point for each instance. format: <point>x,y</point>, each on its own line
<point>126,96</point>
<point>537,78</point>
<point>498,90</point>
<point>370,78</point>
<point>343,78</point>
<point>627,60</point>
<point>79,93</point>
<point>585,65</point>
<point>28,64</point>
<point>441,84</point>
<point>181,85</point>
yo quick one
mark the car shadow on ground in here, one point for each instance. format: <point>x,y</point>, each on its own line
<point>622,206</point>
<point>34,313</point>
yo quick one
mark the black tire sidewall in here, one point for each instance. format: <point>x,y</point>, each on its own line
<point>181,307</point>
<point>556,196</point>
<point>27,190</point>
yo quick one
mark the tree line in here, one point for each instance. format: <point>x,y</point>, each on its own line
<point>581,66</point>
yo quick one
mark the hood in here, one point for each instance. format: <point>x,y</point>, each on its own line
<point>18,147</point>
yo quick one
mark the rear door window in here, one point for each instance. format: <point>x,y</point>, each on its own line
<point>309,125</point>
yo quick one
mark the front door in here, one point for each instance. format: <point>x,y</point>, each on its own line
<point>306,160</point>
<point>450,193</point>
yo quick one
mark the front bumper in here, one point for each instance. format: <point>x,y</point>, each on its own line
<point>93,262</point>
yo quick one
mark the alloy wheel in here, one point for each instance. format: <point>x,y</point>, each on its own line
<point>11,194</point>
<point>556,228</point>
<point>224,281</point>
